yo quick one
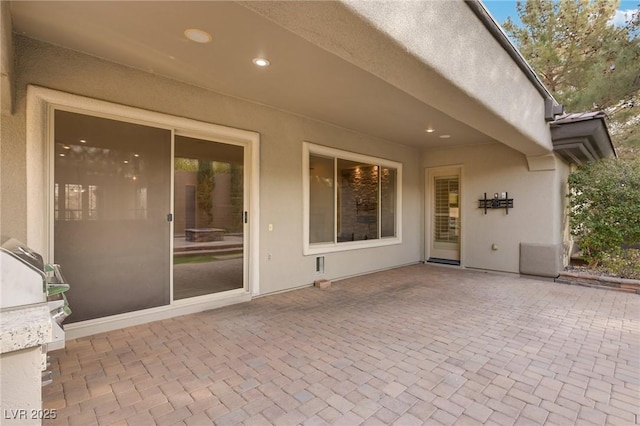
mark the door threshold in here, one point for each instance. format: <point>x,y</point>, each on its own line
<point>443,261</point>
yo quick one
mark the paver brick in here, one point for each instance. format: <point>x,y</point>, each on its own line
<point>597,395</point>
<point>394,389</point>
<point>293,417</point>
<point>523,396</point>
<point>330,414</point>
<point>348,419</point>
<point>394,404</point>
<point>407,420</point>
<point>232,418</point>
<point>465,420</point>
<point>591,414</point>
<point>560,410</point>
<point>448,406</point>
<point>385,415</point>
<point>536,414</point>
<point>374,421</point>
<point>116,415</point>
<point>366,408</point>
<point>443,417</point>
<point>546,393</point>
<point>216,411</point>
<point>494,392</point>
<point>615,420</point>
<point>478,412</point>
<point>461,400</point>
<point>339,403</point>
<point>615,411</point>
<point>389,347</point>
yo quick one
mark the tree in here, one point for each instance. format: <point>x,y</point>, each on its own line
<point>206,185</point>
<point>587,62</point>
<point>578,53</point>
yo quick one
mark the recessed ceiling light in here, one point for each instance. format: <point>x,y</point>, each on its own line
<point>197,35</point>
<point>126,161</point>
<point>66,147</point>
<point>445,136</point>
<point>430,130</point>
<point>83,141</point>
<point>61,155</point>
<point>136,155</point>
<point>261,62</point>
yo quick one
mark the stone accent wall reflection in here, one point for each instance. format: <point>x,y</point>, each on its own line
<point>358,201</point>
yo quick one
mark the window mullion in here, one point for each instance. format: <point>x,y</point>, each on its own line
<point>335,200</point>
<point>379,202</point>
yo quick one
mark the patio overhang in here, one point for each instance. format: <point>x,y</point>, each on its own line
<point>390,70</point>
<point>582,137</point>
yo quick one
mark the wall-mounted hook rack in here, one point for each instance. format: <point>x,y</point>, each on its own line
<point>496,202</point>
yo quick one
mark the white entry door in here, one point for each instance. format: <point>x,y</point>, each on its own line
<point>443,228</point>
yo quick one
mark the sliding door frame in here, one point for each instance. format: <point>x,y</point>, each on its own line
<point>41,102</point>
<point>246,240</point>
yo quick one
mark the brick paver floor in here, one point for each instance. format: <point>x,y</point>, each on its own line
<point>414,345</point>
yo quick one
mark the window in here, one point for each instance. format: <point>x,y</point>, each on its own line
<point>80,203</point>
<point>351,201</point>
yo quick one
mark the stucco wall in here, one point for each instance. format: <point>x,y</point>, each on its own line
<point>437,51</point>
<point>536,216</point>
<point>562,177</point>
<point>281,133</point>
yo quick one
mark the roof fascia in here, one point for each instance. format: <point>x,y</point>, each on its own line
<point>591,134</point>
<point>478,8</point>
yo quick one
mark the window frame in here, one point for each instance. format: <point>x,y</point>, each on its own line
<point>308,149</point>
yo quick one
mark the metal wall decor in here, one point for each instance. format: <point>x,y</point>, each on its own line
<point>497,202</point>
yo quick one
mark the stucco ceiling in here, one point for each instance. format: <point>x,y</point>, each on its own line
<point>303,78</point>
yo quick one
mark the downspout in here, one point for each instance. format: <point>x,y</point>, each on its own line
<point>552,107</point>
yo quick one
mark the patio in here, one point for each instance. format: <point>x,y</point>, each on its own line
<point>419,344</point>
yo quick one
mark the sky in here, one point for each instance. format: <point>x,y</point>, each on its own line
<point>501,9</point>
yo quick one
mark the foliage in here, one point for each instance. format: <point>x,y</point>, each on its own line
<point>186,164</point>
<point>622,263</point>
<point>192,165</point>
<point>587,62</point>
<point>206,185</point>
<point>578,53</point>
<point>604,207</point>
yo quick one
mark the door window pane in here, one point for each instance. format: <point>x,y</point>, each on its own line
<point>208,229</point>
<point>447,210</point>
<point>321,199</point>
<point>112,195</point>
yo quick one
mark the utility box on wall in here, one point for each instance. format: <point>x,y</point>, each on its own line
<point>544,260</point>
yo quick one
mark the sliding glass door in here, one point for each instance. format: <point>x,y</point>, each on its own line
<point>112,194</point>
<point>114,223</point>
